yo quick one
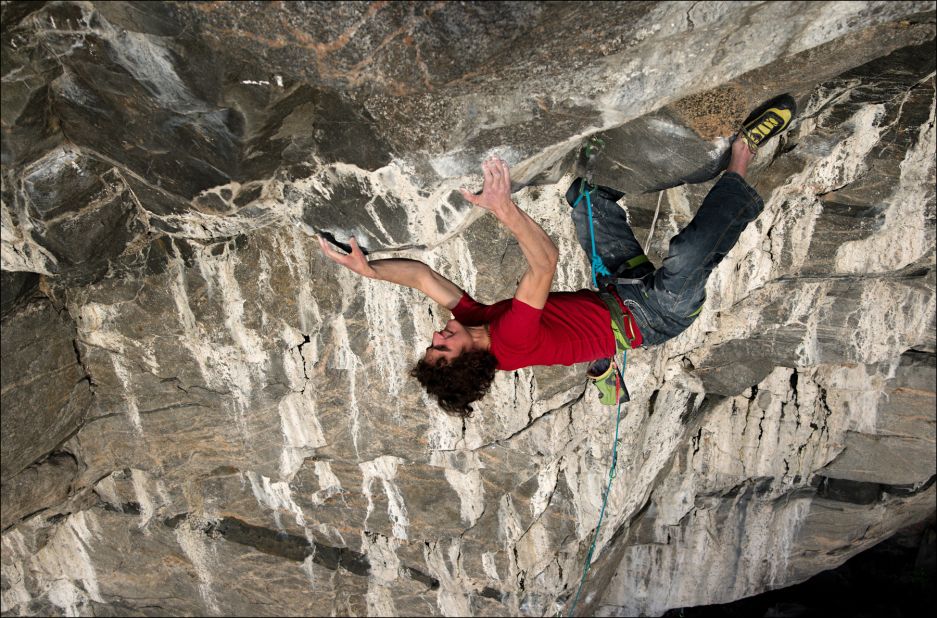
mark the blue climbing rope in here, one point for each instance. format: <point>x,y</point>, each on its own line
<point>598,267</point>
<point>608,488</point>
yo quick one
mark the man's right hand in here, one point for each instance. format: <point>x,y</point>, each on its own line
<point>496,190</point>
<point>540,252</point>
<point>354,261</point>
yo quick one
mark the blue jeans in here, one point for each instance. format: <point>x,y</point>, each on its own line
<point>665,300</point>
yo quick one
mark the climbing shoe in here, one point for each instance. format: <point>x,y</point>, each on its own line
<point>604,373</point>
<point>767,121</point>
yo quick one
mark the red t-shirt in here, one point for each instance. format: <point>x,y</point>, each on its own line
<point>572,327</point>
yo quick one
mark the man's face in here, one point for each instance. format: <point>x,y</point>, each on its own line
<point>448,343</point>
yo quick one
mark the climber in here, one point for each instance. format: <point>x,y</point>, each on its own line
<point>638,305</point>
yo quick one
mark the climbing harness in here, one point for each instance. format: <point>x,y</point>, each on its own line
<point>610,385</point>
<point>608,488</point>
<point>598,267</point>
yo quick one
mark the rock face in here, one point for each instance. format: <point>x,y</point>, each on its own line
<point>202,415</point>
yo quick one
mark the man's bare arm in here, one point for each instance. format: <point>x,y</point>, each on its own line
<point>409,273</point>
<point>416,274</point>
<point>539,250</point>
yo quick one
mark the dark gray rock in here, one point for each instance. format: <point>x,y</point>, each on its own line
<point>16,288</point>
<point>46,392</point>
<point>244,429</point>
<point>84,212</point>
<point>38,487</point>
<point>889,460</point>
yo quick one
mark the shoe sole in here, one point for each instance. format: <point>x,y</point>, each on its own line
<point>768,120</point>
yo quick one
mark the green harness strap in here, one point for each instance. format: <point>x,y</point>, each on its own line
<point>622,341</point>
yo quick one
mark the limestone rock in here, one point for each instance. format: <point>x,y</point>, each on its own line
<point>202,415</point>
<point>46,393</point>
<point>38,487</point>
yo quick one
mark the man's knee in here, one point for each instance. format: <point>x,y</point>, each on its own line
<point>683,255</point>
<point>574,192</point>
<point>577,189</point>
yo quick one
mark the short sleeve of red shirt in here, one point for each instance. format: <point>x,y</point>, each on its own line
<point>470,312</point>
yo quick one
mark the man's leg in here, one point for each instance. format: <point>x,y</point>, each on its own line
<point>680,283</point>
<point>620,251</point>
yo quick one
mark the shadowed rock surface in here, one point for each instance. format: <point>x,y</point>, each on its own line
<point>203,416</point>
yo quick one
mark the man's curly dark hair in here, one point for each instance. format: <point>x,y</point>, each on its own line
<point>458,382</point>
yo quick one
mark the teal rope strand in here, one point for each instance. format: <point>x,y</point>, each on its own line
<point>598,267</point>
<point>608,490</point>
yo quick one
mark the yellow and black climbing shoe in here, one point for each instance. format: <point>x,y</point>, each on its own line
<point>768,120</point>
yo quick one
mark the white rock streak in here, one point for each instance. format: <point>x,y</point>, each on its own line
<point>385,569</point>
<point>384,469</point>
<point>72,557</point>
<point>194,545</point>
<point>898,321</point>
<point>302,432</point>
<point>292,245</point>
<point>147,508</point>
<point>329,484</point>
<point>133,410</point>
<point>490,566</point>
<point>471,492</point>
<point>904,237</point>
<point>247,340</point>
<point>345,358</point>
<point>152,66</point>
<point>546,485</point>
<point>14,597</point>
<point>192,332</point>
<point>385,305</point>
<point>62,570</point>
<point>451,598</point>
<point>232,359</point>
<point>276,496</point>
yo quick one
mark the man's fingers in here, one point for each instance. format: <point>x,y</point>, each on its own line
<point>505,177</point>
<point>497,177</point>
<point>326,249</point>
<point>331,253</point>
<point>339,258</point>
<point>486,172</point>
<point>469,196</point>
